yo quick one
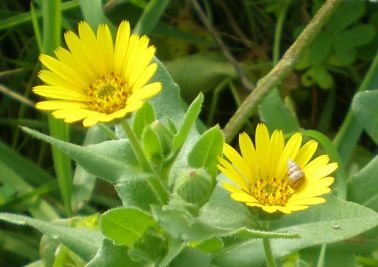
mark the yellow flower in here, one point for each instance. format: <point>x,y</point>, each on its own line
<point>260,175</point>
<point>95,80</point>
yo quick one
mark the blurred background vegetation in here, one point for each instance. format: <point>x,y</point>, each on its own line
<point>316,95</point>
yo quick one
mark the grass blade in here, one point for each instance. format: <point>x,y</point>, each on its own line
<point>51,10</point>
<point>150,16</point>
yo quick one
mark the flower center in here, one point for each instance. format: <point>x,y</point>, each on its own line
<point>271,191</point>
<point>108,94</point>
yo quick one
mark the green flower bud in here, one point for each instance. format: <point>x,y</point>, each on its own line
<point>194,186</point>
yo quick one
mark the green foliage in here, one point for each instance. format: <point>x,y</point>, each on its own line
<point>125,225</point>
<point>327,223</point>
<point>361,186</point>
<point>176,213</point>
<point>337,45</point>
<point>365,108</point>
<point>83,242</point>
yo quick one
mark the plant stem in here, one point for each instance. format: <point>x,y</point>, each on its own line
<point>154,182</point>
<point>350,131</point>
<point>270,261</point>
<point>244,79</point>
<point>52,18</point>
<point>280,71</point>
<point>320,262</point>
<point>137,148</point>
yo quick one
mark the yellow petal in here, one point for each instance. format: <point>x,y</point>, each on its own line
<point>80,54</point>
<point>59,104</point>
<point>249,155</point>
<point>322,171</point>
<point>68,59</point>
<point>231,173</point>
<point>71,115</point>
<point>269,209</point>
<point>296,207</point>
<point>105,43</point>
<point>290,152</point>
<point>285,210</point>
<point>236,160</point>
<point>136,52</point>
<point>243,197</point>
<point>90,121</point>
<point>144,77</point>
<point>144,58</point>
<point>276,147</point>
<point>59,93</point>
<point>315,164</point>
<point>90,44</point>
<point>230,187</point>
<point>262,152</point>
<point>121,46</point>
<point>146,91</point>
<point>307,201</point>
<point>305,153</point>
<point>63,71</point>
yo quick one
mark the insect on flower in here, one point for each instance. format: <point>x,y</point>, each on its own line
<point>295,174</point>
<point>267,173</point>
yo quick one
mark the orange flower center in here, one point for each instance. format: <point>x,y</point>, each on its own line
<point>271,191</point>
<point>108,94</point>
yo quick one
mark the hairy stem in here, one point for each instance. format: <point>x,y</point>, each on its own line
<point>270,261</point>
<point>280,71</point>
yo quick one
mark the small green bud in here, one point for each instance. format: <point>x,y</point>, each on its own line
<point>165,136</point>
<point>194,186</point>
<point>151,145</point>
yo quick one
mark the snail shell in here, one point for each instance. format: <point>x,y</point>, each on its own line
<point>295,174</point>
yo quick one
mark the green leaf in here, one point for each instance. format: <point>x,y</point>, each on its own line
<point>36,206</point>
<point>206,150</point>
<point>211,245</point>
<point>136,191</point>
<point>189,119</point>
<point>356,36</point>
<point>111,255</point>
<point>26,17</point>
<point>125,225</point>
<point>190,257</point>
<point>362,187</point>
<point>206,71</point>
<point>93,13</point>
<point>276,114</point>
<point>347,13</point>
<point>334,155</point>
<point>151,145</point>
<point>150,16</point>
<point>327,223</point>
<point>221,216</point>
<point>109,160</point>
<point>175,246</point>
<point>151,246</point>
<point>82,241</point>
<point>365,107</point>
<point>83,181</point>
<point>320,48</point>
<point>168,102</point>
<point>24,167</point>
<point>143,117</point>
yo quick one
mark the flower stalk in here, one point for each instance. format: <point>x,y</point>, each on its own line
<point>280,71</point>
<point>155,184</point>
<point>270,261</point>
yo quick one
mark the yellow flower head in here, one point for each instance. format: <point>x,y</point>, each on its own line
<point>275,176</point>
<point>95,80</point>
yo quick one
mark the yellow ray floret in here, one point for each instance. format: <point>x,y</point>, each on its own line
<point>259,177</point>
<point>96,79</point>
